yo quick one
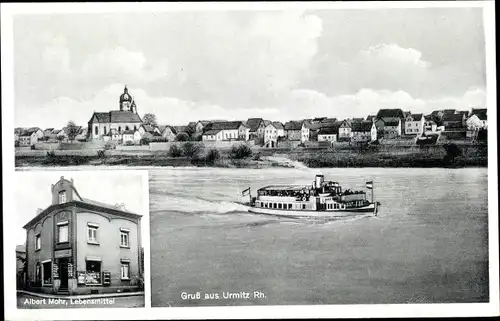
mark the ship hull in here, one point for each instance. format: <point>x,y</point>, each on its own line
<point>369,209</point>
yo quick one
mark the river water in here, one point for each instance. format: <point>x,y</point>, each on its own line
<point>428,244</point>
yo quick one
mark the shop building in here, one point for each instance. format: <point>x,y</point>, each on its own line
<point>80,246</point>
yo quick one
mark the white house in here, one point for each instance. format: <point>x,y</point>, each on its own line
<point>328,134</point>
<point>345,130</point>
<point>478,119</point>
<point>305,132</point>
<point>228,131</point>
<point>414,124</point>
<point>131,136</point>
<point>272,132</point>
<point>29,137</point>
<point>143,129</point>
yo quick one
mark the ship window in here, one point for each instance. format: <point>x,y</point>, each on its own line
<point>274,205</point>
<point>279,205</point>
<point>303,206</point>
<point>289,206</point>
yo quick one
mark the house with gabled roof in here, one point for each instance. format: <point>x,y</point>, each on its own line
<point>30,136</point>
<point>478,118</point>
<point>272,133</point>
<point>414,124</point>
<point>392,127</point>
<point>293,130</point>
<point>363,132</point>
<point>256,127</point>
<point>329,132</point>
<point>225,131</point>
<point>345,130</point>
<point>168,132</point>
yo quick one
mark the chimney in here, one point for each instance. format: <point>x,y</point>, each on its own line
<point>39,210</point>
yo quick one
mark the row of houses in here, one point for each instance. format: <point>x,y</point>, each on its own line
<point>387,124</point>
<point>33,135</point>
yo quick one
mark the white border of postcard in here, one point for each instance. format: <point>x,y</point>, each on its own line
<point>316,311</point>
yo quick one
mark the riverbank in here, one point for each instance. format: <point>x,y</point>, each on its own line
<point>432,156</point>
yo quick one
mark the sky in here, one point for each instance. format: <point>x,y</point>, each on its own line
<point>278,65</point>
<point>33,191</point>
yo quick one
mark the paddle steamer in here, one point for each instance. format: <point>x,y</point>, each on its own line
<point>320,199</point>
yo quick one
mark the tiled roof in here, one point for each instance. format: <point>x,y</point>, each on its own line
<point>364,126</point>
<point>117,116</point>
<point>480,113</point>
<point>228,125</point>
<point>96,203</point>
<point>390,113</point>
<point>416,117</point>
<point>278,125</point>
<point>149,128</point>
<point>124,116</point>
<point>254,123</point>
<point>102,117</point>
<point>330,130</point>
<point>128,132</point>
<point>212,131</point>
<point>21,248</point>
<point>163,127</point>
<point>453,117</point>
<point>293,125</point>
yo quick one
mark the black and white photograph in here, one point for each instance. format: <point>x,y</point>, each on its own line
<point>254,159</point>
<point>79,239</point>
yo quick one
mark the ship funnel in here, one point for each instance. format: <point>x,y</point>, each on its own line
<point>319,180</point>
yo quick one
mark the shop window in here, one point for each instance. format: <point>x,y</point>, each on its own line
<point>38,241</point>
<point>62,232</point>
<point>47,273</point>
<point>124,238</point>
<point>125,271</point>
<point>93,272</point>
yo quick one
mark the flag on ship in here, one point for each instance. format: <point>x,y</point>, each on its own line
<point>245,192</point>
<point>369,185</point>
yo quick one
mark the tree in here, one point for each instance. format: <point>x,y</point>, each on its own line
<point>60,138</point>
<point>149,119</point>
<point>182,137</point>
<point>213,155</point>
<point>191,150</point>
<point>71,130</point>
<point>240,152</point>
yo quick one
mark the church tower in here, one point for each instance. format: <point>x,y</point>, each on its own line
<point>126,100</point>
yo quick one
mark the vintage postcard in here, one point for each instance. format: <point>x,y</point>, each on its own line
<point>250,160</point>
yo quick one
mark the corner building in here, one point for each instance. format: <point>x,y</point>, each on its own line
<point>80,246</point>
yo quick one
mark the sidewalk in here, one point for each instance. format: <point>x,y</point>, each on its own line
<point>86,296</point>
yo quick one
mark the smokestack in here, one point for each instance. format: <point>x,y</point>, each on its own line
<point>319,180</point>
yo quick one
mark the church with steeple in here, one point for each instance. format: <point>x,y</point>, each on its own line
<point>115,122</point>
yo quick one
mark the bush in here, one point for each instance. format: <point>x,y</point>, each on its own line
<point>240,152</point>
<point>109,146</point>
<point>33,147</point>
<point>182,137</point>
<point>175,151</point>
<point>101,153</point>
<point>256,157</point>
<point>144,141</point>
<point>51,154</point>
<point>191,150</point>
<point>129,143</point>
<point>213,155</point>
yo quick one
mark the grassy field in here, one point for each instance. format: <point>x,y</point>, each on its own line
<point>374,156</point>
